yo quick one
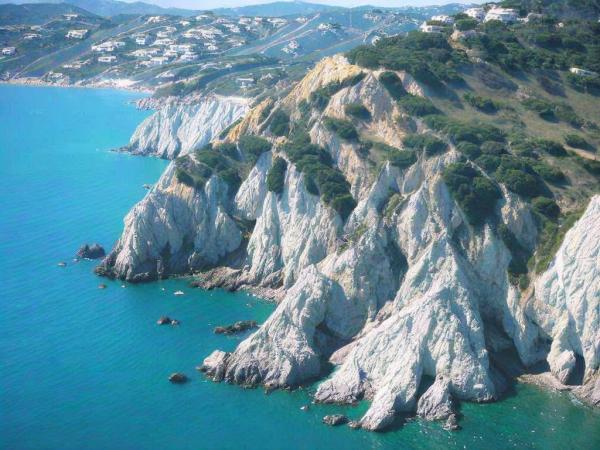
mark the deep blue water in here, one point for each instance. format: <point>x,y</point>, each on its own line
<point>85,368</point>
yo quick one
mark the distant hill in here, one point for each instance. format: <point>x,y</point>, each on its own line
<point>276,9</point>
<point>34,14</point>
<point>108,8</point>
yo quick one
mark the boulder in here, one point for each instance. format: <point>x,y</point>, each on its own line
<point>164,320</point>
<point>94,251</point>
<point>178,377</point>
<point>335,419</point>
<point>237,327</point>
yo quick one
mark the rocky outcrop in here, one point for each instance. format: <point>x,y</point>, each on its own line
<point>174,229</point>
<point>402,292</point>
<point>237,327</point>
<point>179,127</point>
<point>93,251</point>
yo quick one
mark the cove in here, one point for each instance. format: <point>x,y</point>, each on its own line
<point>85,368</point>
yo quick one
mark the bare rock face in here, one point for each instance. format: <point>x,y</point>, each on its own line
<point>179,127</point>
<point>403,291</point>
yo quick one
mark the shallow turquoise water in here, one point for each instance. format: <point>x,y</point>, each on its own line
<point>84,368</point>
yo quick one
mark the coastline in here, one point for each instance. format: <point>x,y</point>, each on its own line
<point>41,83</point>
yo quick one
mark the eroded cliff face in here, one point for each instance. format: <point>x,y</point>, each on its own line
<point>185,125</point>
<point>402,293</point>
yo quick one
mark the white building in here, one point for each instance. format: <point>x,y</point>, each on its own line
<point>31,36</point>
<point>583,72</point>
<point>188,56</point>
<point>141,40</point>
<point>70,16</point>
<point>181,48</point>
<point>9,51</point>
<point>158,60</point>
<point>446,20</point>
<point>104,47</point>
<point>475,13</point>
<point>107,59</point>
<point>502,14</point>
<point>163,42</point>
<point>76,34</point>
<point>245,82</point>
<point>425,28</point>
<point>155,19</point>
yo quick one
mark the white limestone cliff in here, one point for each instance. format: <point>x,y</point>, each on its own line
<point>179,127</point>
<point>402,293</point>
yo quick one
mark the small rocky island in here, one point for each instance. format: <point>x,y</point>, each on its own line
<point>237,327</point>
<point>94,251</point>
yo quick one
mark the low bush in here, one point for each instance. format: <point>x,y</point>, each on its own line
<point>475,194</point>
<point>343,128</point>
<point>546,207</point>
<point>320,175</point>
<point>398,158</point>
<point>476,133</point>
<point>280,123</point>
<point>425,142</point>
<point>253,146</point>
<point>393,84</point>
<point>417,106</point>
<point>483,104</point>
<point>574,140</point>
<point>552,148</point>
<point>357,110</point>
<point>276,175</point>
<point>320,97</point>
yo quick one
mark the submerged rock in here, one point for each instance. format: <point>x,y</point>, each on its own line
<point>452,423</point>
<point>93,251</point>
<point>102,286</point>
<point>178,377</point>
<point>237,327</point>
<point>335,420</point>
<point>165,320</point>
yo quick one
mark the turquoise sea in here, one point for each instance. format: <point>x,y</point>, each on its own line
<point>85,368</point>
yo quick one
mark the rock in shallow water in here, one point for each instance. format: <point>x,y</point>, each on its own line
<point>335,419</point>
<point>178,377</point>
<point>93,251</point>
<point>237,327</point>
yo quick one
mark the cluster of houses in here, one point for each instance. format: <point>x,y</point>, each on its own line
<point>438,23</point>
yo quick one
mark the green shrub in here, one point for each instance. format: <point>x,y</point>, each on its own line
<point>393,85</point>
<point>276,175</point>
<point>546,207</point>
<point>492,148</point>
<point>253,146</point>
<point>226,131</point>
<point>519,255</point>
<point>343,128</point>
<point>280,123</point>
<point>417,106</point>
<point>466,24</point>
<point>320,176</point>
<point>468,149</point>
<point>551,238</point>
<point>483,104</point>
<point>319,98</point>
<point>426,142</point>
<point>549,173</point>
<point>475,194</point>
<point>574,140</point>
<point>357,110</point>
<point>457,131</point>
<point>228,149</point>
<point>551,147</point>
<point>398,158</point>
